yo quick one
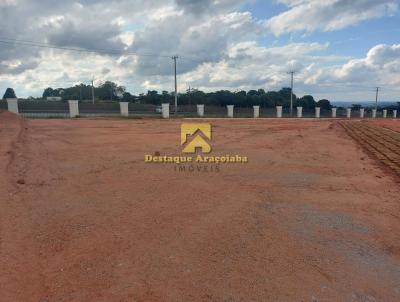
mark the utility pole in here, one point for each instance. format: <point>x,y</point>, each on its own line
<point>291,92</point>
<point>92,91</point>
<point>176,86</point>
<point>376,98</point>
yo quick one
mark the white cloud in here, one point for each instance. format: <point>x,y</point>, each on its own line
<point>200,39</point>
<point>313,15</point>
<point>380,66</point>
<point>218,44</point>
<point>356,78</point>
<point>250,66</point>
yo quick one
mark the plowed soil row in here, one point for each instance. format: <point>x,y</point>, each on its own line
<point>383,143</point>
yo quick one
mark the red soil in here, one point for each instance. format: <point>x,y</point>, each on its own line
<point>387,123</point>
<point>310,218</point>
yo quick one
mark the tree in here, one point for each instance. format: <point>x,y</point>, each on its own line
<point>166,97</point>
<point>127,97</point>
<point>111,91</point>
<point>356,107</point>
<point>50,92</point>
<point>240,99</point>
<point>153,97</point>
<point>9,94</point>
<point>274,99</point>
<point>261,91</point>
<point>197,96</point>
<point>285,95</point>
<point>324,104</point>
<point>307,102</point>
<point>252,93</point>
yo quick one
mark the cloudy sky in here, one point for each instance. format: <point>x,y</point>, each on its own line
<point>340,49</point>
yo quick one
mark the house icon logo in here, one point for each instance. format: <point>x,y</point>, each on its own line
<point>195,136</point>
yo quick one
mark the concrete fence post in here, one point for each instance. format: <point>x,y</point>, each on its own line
<point>394,113</point>
<point>385,113</point>
<point>317,112</point>
<point>334,112</point>
<point>279,111</point>
<point>13,105</point>
<point>348,112</point>
<point>230,110</point>
<point>362,112</point>
<point>124,107</point>
<point>73,108</point>
<point>373,113</point>
<point>165,110</point>
<point>200,110</point>
<point>299,112</point>
<point>256,111</point>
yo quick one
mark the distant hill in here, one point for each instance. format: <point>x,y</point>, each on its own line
<point>346,104</point>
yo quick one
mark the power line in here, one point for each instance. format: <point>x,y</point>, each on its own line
<point>27,43</point>
<point>93,50</point>
<point>60,82</point>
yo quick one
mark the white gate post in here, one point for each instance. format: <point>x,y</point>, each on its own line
<point>73,108</point>
<point>13,105</point>
<point>279,111</point>
<point>230,110</point>
<point>362,112</point>
<point>124,107</point>
<point>385,113</point>
<point>317,112</point>
<point>200,110</point>
<point>334,111</point>
<point>373,113</point>
<point>165,110</point>
<point>394,113</point>
<point>256,111</point>
<point>299,112</point>
<point>348,110</point>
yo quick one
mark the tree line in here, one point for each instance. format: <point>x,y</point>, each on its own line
<point>111,91</point>
<point>105,91</point>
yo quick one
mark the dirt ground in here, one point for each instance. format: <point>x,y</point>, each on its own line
<point>382,143</point>
<point>311,217</point>
<point>388,123</point>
